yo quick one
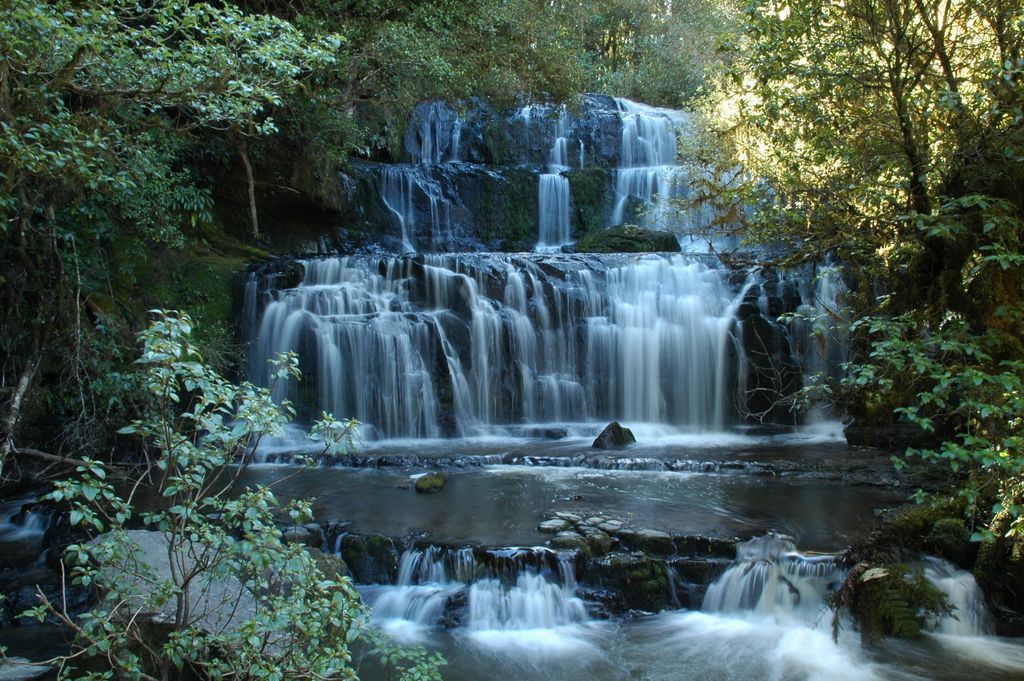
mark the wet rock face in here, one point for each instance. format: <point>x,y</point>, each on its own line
<point>614,435</point>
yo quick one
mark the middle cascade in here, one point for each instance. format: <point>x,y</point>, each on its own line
<point>511,589</point>
<point>444,345</point>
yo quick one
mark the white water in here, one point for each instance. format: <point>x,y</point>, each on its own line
<point>764,619</point>
<point>438,135</point>
<point>648,168</point>
<point>970,617</point>
<point>771,579</point>
<point>16,525</point>
<point>553,191</point>
<point>400,185</point>
<point>407,348</point>
<point>519,595</point>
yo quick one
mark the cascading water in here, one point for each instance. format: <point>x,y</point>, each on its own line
<point>506,590</point>
<point>969,616</point>
<point>400,186</point>
<point>438,134</point>
<point>444,345</point>
<point>770,578</point>
<point>553,191</point>
<point>648,170</point>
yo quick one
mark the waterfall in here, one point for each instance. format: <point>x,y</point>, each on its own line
<point>969,617</point>
<point>438,134</point>
<point>399,187</point>
<point>442,345</point>
<point>553,191</point>
<point>648,170</point>
<point>769,577</point>
<point>508,589</point>
<point>396,185</point>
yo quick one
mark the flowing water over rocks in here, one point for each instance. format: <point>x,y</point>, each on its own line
<point>704,550</point>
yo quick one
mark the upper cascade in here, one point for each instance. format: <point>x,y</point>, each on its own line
<point>537,178</point>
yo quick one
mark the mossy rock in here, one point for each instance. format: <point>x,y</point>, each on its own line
<point>371,558</point>
<point>431,483</point>
<point>910,526</point>
<point>639,581</point>
<point>592,197</point>
<point>999,568</point>
<point>331,566</point>
<point>949,538</point>
<point>628,240</point>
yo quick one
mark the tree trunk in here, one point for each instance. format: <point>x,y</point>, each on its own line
<point>243,151</point>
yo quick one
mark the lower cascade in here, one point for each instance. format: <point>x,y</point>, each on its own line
<point>511,590</point>
<point>771,578</point>
<point>444,345</point>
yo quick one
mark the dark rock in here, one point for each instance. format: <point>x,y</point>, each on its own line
<point>431,483</point>
<point>599,542</point>
<point>20,553</point>
<point>572,541</point>
<point>601,603</point>
<point>371,558</point>
<point>331,566</point>
<point>628,240</point>
<point>691,578</point>
<point>889,436</point>
<point>949,538</point>
<point>309,535</point>
<point>548,433</point>
<point>1008,622</point>
<point>649,541</point>
<point>554,525</point>
<point>639,582</point>
<point>696,546</point>
<point>456,609</point>
<point>614,435</point>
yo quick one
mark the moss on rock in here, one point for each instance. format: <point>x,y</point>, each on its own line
<point>431,483</point>
<point>591,190</point>
<point>628,240</point>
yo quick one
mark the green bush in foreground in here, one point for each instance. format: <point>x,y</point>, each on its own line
<point>221,596</point>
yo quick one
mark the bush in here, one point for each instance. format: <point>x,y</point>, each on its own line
<point>212,590</point>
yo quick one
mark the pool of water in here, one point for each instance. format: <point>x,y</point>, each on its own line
<point>498,505</point>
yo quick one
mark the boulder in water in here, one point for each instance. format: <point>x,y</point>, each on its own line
<point>638,581</point>
<point>599,542</point>
<point>431,483</point>
<point>614,435</point>
<point>549,433</point>
<point>332,566</point>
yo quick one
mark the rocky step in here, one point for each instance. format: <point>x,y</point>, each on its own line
<point>867,475</point>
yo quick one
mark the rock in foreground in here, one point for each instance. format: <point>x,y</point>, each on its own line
<point>614,435</point>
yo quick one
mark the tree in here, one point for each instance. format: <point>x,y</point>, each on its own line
<point>888,133</point>
<point>214,590</point>
<point>99,106</point>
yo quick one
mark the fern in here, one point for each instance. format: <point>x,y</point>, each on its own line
<point>892,600</point>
